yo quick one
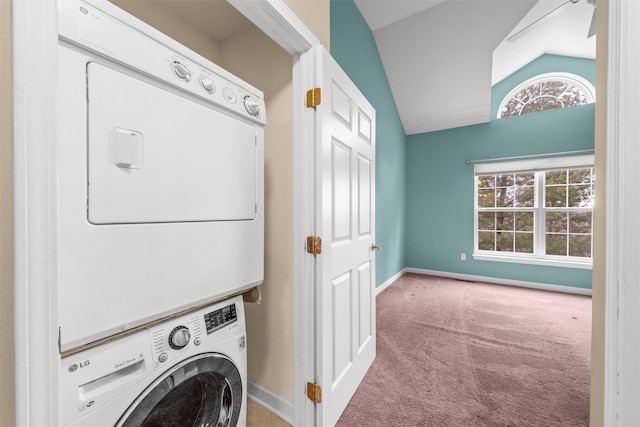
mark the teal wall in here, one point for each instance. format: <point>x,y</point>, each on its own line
<point>354,48</point>
<point>440,185</point>
<point>424,188</point>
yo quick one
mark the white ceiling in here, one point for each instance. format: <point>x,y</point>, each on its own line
<point>442,56</point>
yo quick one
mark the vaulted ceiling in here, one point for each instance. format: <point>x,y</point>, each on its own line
<point>442,56</point>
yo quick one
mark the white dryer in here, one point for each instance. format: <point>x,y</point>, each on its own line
<point>159,176</point>
<point>186,371</point>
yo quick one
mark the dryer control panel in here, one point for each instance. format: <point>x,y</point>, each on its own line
<point>109,31</point>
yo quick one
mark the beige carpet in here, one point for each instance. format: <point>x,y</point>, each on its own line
<point>453,353</point>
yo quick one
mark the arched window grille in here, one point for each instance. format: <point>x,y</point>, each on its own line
<point>547,92</point>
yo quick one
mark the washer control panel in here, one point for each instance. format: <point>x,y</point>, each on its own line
<point>220,318</point>
<point>193,331</point>
<point>171,338</point>
<point>179,337</point>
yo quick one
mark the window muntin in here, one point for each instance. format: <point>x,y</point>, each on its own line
<point>505,218</point>
<point>569,196</point>
<point>547,92</point>
<point>537,214</point>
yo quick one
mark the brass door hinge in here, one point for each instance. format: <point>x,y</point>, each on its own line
<point>313,97</point>
<point>314,392</point>
<point>314,245</point>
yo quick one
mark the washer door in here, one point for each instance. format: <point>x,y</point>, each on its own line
<point>205,390</point>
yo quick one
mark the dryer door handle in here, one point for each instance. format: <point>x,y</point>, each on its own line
<point>128,149</point>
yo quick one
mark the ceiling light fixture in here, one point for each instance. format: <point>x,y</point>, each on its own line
<point>592,27</point>
<point>545,17</point>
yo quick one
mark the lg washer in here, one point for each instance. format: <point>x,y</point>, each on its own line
<point>189,370</point>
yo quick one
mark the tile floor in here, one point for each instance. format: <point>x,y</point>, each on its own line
<point>257,416</point>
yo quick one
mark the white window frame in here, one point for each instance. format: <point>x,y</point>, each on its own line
<point>523,166</point>
<point>580,82</point>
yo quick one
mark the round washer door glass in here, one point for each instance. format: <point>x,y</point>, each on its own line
<point>205,390</point>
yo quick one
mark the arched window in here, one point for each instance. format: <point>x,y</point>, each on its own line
<point>547,92</point>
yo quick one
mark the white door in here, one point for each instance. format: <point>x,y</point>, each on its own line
<point>345,164</point>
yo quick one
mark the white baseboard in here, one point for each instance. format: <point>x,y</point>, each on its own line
<point>390,281</point>
<point>508,282</point>
<point>270,401</point>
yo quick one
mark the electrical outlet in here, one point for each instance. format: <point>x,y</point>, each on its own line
<point>463,256</point>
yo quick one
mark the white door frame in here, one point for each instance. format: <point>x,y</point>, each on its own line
<point>34,39</point>
<point>277,21</point>
<point>622,296</point>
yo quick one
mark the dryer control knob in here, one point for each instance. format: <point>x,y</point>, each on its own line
<point>181,71</point>
<point>251,105</point>
<point>179,337</point>
<point>207,84</point>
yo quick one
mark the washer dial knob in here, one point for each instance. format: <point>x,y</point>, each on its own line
<point>251,105</point>
<point>179,337</point>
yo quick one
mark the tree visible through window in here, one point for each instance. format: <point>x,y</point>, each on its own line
<point>505,212</point>
<point>569,212</point>
<point>535,213</point>
<point>547,92</point>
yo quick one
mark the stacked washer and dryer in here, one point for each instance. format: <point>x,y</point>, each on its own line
<point>160,226</point>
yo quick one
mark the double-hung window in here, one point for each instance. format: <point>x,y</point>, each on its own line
<point>535,211</point>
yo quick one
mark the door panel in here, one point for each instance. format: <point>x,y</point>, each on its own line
<point>364,126</point>
<point>342,336</point>
<point>346,268</point>
<point>341,188</point>
<point>364,305</point>
<point>341,104</point>
<point>364,196</point>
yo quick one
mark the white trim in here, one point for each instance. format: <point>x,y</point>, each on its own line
<point>616,66</point>
<point>390,281</point>
<point>304,349</point>
<point>567,262</point>
<point>271,401</point>
<point>499,281</point>
<point>277,21</point>
<point>622,296</point>
<point>574,79</point>
<point>35,38</point>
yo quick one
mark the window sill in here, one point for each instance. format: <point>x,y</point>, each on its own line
<point>571,263</point>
